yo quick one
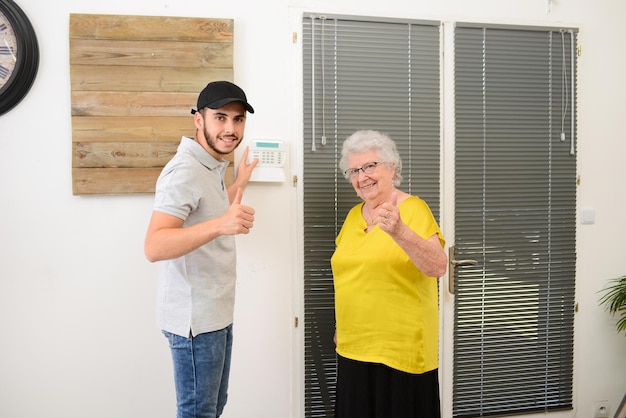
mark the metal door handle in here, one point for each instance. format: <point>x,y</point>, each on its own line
<point>452,266</point>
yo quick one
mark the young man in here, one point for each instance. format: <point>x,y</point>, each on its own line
<point>192,231</point>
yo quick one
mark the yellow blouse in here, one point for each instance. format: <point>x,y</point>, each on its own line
<point>385,308</point>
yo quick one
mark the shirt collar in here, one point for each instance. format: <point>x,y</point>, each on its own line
<point>190,145</point>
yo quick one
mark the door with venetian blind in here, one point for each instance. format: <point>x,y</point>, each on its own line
<point>513,256</point>
<point>359,73</point>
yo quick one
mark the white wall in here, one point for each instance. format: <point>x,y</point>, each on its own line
<point>77,295</point>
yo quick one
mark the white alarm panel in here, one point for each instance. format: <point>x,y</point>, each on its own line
<point>272,155</point>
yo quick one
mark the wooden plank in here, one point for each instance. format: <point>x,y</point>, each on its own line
<point>125,154</point>
<point>139,28</point>
<point>122,154</point>
<point>112,181</point>
<point>229,175</point>
<point>131,129</point>
<point>138,78</point>
<point>95,103</point>
<point>150,53</point>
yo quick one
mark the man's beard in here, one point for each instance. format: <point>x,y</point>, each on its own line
<point>211,142</point>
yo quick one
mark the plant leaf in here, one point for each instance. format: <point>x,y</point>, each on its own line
<point>614,299</point>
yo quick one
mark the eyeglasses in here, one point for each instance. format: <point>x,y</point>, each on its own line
<point>367,168</point>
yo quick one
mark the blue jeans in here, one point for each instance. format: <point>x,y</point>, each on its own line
<point>201,371</point>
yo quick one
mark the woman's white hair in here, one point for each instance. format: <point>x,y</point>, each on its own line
<point>366,140</point>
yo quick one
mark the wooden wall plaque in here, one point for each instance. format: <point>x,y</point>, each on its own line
<point>134,80</point>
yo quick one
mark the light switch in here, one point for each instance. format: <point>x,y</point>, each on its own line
<point>588,216</point>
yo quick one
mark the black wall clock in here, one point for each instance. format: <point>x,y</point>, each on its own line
<point>19,55</point>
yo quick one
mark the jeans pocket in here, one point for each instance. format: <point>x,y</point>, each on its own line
<point>171,338</point>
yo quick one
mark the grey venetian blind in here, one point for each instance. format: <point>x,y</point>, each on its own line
<point>515,214</point>
<point>358,74</point>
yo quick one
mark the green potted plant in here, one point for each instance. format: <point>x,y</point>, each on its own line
<point>614,299</point>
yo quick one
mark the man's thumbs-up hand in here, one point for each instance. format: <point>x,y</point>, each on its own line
<point>239,218</point>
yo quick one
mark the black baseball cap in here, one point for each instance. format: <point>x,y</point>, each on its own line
<point>219,93</point>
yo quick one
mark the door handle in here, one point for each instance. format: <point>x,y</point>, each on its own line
<point>453,262</point>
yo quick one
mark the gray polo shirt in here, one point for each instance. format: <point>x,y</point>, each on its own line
<point>195,292</point>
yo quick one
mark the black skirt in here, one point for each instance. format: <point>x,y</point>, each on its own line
<point>371,390</point>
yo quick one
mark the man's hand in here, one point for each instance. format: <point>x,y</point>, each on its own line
<point>239,218</point>
<point>244,171</point>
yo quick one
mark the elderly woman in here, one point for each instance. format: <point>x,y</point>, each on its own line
<point>389,254</point>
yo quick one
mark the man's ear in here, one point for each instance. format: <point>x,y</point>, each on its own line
<point>198,119</point>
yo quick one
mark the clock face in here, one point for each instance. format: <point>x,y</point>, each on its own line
<point>19,55</point>
<point>8,50</point>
